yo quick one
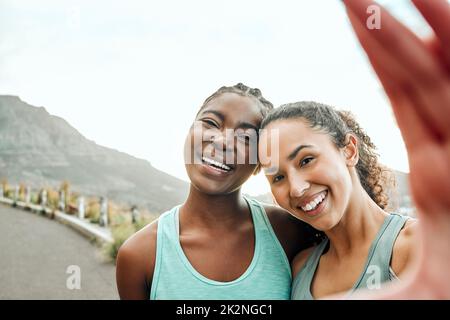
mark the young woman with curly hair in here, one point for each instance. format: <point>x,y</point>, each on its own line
<point>415,74</point>
<point>324,170</point>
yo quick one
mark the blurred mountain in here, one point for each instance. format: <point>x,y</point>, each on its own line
<point>40,149</point>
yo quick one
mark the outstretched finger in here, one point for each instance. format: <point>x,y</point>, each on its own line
<point>437,14</point>
<point>398,40</point>
<point>425,73</point>
<point>413,128</point>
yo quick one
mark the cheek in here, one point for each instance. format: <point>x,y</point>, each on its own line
<point>334,171</point>
<point>342,176</point>
<point>249,150</point>
<point>245,171</point>
<point>198,134</point>
<point>239,153</point>
<point>187,149</point>
<point>339,181</point>
<point>281,196</point>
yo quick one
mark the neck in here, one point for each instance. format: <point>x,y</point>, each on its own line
<point>358,226</point>
<point>213,211</point>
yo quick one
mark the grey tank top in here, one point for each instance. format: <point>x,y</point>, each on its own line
<point>376,270</point>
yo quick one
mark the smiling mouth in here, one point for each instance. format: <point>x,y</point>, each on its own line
<point>315,206</point>
<point>221,167</point>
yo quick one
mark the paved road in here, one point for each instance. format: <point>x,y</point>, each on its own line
<point>35,253</point>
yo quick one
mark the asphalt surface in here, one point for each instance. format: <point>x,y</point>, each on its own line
<point>36,253</point>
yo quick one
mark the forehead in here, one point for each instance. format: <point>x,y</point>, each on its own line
<point>280,138</point>
<point>235,107</point>
<point>293,130</point>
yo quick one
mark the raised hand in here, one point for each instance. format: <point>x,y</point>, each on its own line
<point>415,74</point>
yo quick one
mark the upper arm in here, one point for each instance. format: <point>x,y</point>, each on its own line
<point>135,264</point>
<point>404,247</point>
<point>293,234</point>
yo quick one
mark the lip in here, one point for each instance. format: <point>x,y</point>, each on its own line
<point>210,170</point>
<point>213,171</point>
<point>317,210</point>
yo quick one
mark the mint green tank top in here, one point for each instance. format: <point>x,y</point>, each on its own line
<point>376,270</point>
<point>267,277</point>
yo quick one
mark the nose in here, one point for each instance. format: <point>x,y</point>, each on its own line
<point>219,146</point>
<point>223,140</point>
<point>218,141</point>
<point>297,185</point>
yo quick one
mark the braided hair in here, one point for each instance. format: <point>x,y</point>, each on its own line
<point>242,90</point>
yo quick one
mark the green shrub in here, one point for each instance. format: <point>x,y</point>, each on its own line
<point>9,194</point>
<point>121,232</point>
<point>93,211</point>
<point>35,198</point>
<point>94,215</point>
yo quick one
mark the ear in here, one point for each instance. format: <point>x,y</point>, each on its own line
<point>350,150</point>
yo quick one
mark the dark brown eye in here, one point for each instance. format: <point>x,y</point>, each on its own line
<point>211,123</point>
<point>305,161</point>
<point>278,178</point>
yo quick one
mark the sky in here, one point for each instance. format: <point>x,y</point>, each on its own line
<point>131,75</point>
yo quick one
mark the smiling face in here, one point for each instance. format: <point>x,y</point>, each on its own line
<point>308,174</point>
<point>221,146</point>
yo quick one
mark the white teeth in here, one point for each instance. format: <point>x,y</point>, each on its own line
<point>216,163</point>
<point>314,203</point>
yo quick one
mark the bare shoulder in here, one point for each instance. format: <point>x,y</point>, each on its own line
<point>404,247</point>
<point>136,262</point>
<point>141,241</point>
<point>290,231</point>
<point>299,261</point>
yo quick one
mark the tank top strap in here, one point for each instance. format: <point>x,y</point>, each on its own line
<point>383,245</point>
<point>260,219</point>
<point>258,213</point>
<point>164,242</point>
<point>301,287</point>
<point>377,263</point>
<point>262,225</point>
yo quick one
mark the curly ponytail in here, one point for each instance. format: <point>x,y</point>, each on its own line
<point>374,177</point>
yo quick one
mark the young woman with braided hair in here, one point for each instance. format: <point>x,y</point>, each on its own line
<point>218,244</point>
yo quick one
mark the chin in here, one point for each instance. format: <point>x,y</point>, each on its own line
<point>321,223</point>
<point>325,224</point>
<point>208,186</point>
<point>209,190</point>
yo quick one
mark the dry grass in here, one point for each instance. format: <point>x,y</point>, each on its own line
<point>122,231</point>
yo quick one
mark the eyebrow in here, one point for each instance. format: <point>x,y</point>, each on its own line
<point>294,153</point>
<point>291,157</point>
<point>217,113</point>
<point>246,125</point>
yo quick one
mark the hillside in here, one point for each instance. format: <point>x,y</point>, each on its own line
<point>40,149</point>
